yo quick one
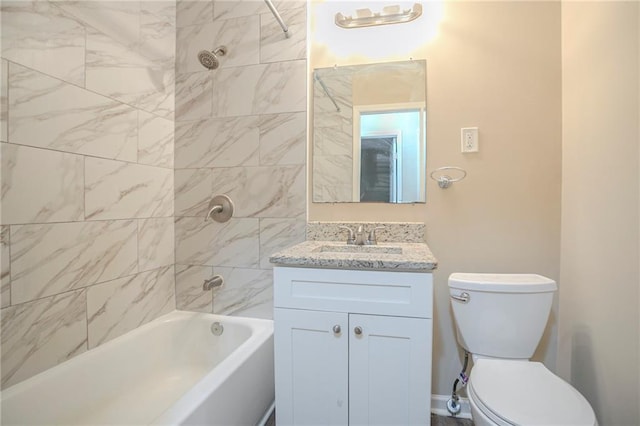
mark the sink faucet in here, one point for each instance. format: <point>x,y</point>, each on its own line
<point>357,238</point>
<point>351,239</point>
<point>360,241</point>
<point>371,239</point>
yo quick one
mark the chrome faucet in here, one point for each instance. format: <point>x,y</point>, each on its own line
<point>357,238</point>
<point>360,241</point>
<point>213,282</point>
<point>371,239</point>
<point>351,239</point>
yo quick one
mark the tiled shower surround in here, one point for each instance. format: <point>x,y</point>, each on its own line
<point>241,131</point>
<point>92,92</point>
<point>87,179</point>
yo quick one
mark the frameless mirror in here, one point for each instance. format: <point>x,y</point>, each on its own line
<point>369,133</point>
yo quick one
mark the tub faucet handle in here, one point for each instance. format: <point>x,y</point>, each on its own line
<point>220,209</point>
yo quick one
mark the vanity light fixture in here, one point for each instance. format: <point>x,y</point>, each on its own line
<point>389,15</point>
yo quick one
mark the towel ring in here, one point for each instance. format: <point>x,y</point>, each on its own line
<point>444,180</point>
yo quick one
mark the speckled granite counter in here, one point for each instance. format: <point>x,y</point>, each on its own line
<point>406,232</point>
<point>415,257</point>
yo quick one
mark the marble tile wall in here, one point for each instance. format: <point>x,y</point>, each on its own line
<point>240,130</point>
<point>333,141</point>
<point>87,152</point>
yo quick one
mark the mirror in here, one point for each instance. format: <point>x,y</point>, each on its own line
<point>369,133</point>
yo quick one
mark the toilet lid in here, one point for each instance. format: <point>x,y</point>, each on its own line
<point>526,393</point>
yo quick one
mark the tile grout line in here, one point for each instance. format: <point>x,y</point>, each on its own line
<point>87,90</point>
<point>84,215</point>
<point>10,278</point>
<point>90,221</point>
<point>89,286</point>
<point>49,149</point>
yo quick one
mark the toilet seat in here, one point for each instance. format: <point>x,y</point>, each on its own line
<point>526,393</point>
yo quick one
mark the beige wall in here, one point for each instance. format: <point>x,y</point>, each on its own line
<point>599,329</point>
<point>389,87</point>
<point>495,66</point>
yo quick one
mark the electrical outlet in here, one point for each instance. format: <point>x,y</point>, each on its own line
<point>469,139</point>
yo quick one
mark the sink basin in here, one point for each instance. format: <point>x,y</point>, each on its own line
<point>359,249</point>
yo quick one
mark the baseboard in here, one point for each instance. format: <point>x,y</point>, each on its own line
<point>439,406</point>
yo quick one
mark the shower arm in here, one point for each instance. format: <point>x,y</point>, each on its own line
<point>273,9</point>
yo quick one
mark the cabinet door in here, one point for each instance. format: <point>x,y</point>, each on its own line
<point>389,370</point>
<point>311,367</point>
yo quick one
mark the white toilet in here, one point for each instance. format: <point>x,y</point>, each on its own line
<point>500,319</point>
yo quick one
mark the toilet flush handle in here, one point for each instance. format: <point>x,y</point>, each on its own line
<point>464,297</point>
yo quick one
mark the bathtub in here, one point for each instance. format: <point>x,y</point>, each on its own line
<point>171,371</point>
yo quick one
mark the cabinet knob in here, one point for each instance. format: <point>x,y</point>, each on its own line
<point>358,330</point>
<point>337,329</point>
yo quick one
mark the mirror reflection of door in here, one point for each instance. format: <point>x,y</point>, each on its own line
<point>378,169</point>
<point>388,153</point>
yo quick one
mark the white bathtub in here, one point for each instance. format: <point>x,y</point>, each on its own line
<point>170,371</point>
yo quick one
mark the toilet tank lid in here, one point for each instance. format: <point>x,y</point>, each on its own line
<point>502,283</point>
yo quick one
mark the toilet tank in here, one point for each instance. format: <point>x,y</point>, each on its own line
<point>505,314</point>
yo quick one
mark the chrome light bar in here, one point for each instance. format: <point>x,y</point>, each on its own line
<point>389,15</point>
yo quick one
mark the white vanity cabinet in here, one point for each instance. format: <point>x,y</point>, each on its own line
<point>352,347</point>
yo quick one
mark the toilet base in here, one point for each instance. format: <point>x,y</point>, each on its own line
<point>543,398</point>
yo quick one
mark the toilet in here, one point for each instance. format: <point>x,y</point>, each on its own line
<point>500,319</point>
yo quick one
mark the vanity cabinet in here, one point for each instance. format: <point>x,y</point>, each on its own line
<point>352,347</point>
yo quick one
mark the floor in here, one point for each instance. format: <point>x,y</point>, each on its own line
<point>449,421</point>
<point>435,421</point>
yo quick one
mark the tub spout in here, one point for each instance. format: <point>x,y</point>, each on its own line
<point>213,282</point>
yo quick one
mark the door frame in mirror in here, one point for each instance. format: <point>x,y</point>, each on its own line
<point>357,166</point>
<point>357,136</point>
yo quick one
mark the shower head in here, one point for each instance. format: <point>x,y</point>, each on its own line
<point>210,59</point>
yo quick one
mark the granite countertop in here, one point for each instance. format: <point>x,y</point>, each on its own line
<point>413,257</point>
